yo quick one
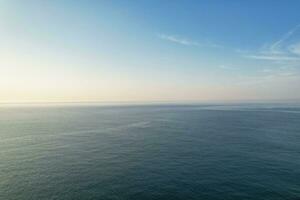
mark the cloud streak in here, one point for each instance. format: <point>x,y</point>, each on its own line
<point>273,57</point>
<point>295,48</point>
<point>186,42</point>
<point>178,40</point>
<point>227,67</point>
<point>275,47</point>
<point>285,49</point>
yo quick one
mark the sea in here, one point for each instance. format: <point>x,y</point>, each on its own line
<point>150,152</point>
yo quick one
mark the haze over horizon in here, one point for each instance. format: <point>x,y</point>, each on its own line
<point>143,51</point>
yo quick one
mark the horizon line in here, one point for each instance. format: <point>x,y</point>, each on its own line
<point>151,102</point>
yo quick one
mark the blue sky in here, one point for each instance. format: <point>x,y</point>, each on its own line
<point>149,50</point>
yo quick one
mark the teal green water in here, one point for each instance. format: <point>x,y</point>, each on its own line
<point>150,152</point>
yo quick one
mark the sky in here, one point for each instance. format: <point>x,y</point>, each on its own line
<point>144,51</point>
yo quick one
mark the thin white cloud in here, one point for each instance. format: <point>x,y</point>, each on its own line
<point>295,48</point>
<point>286,49</point>
<point>241,51</point>
<point>179,40</point>
<point>268,76</point>
<point>280,72</point>
<point>186,41</point>
<point>276,46</point>
<point>273,57</point>
<point>227,67</point>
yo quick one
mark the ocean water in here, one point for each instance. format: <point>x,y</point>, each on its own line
<point>217,152</point>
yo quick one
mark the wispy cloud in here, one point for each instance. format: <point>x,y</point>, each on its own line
<point>187,42</point>
<point>295,48</point>
<point>280,72</point>
<point>273,57</point>
<point>268,75</point>
<point>285,49</point>
<point>179,40</point>
<point>227,67</point>
<point>277,45</point>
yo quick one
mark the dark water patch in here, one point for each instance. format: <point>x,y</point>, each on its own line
<point>150,152</point>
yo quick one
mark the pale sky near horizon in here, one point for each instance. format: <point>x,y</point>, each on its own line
<point>119,50</point>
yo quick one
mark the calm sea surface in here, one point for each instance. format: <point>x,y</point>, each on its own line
<point>217,152</point>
